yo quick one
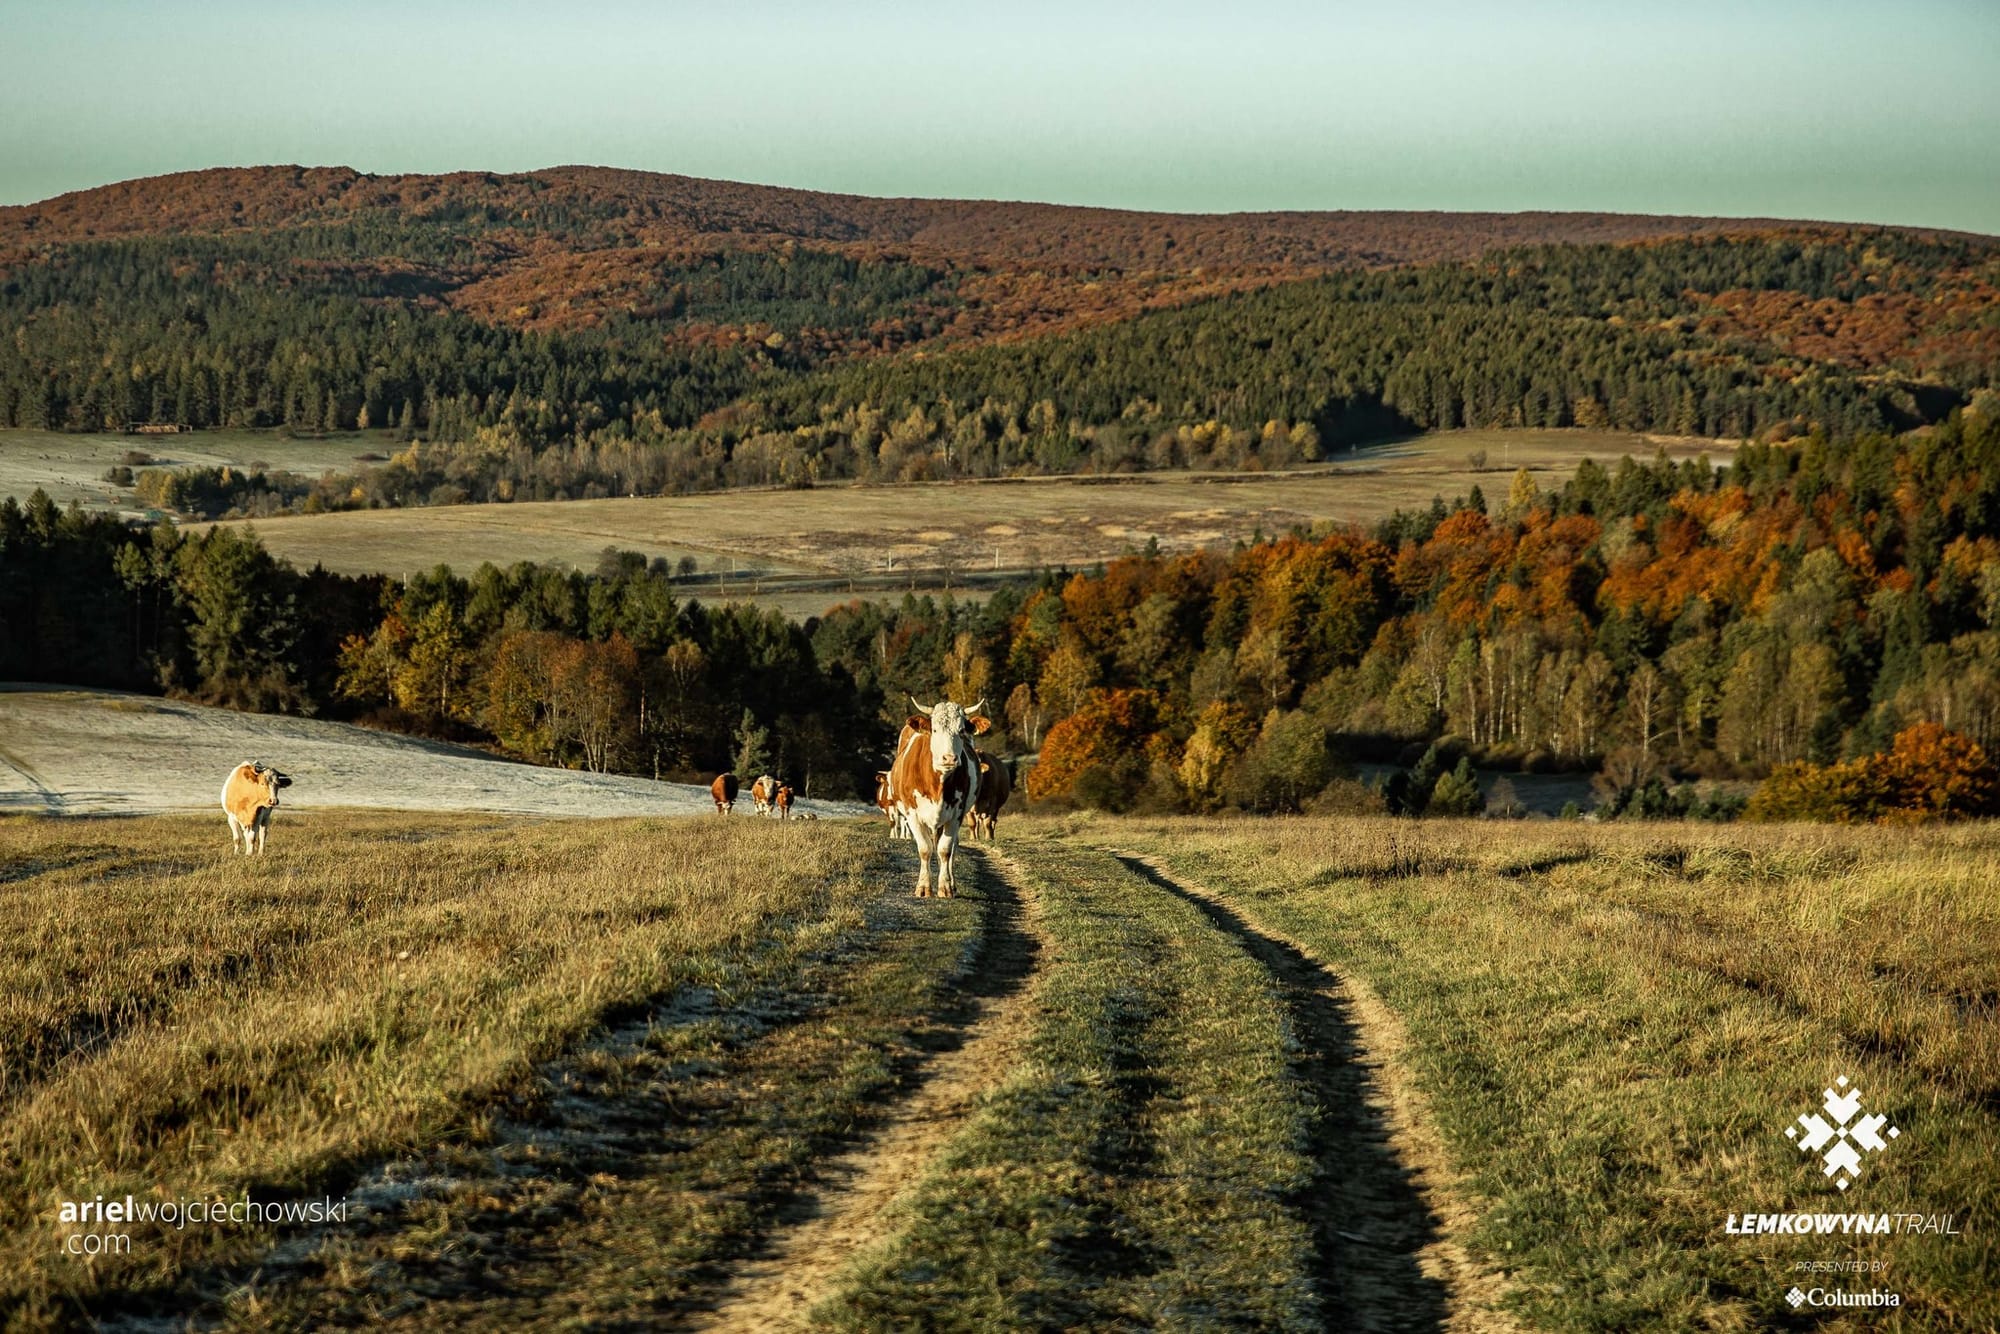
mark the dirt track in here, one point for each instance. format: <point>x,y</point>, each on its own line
<point>1388,1213</point>
<point>779,1289</point>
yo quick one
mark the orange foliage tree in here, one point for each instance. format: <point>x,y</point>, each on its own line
<point>1108,733</point>
<point>1928,773</point>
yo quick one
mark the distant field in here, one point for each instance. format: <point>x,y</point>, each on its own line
<point>71,467</point>
<point>911,536</point>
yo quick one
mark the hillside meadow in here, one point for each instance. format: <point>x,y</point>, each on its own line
<point>925,530</point>
<point>1398,1073</point>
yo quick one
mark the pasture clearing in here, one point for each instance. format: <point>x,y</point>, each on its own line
<point>1299,1074</point>
<point>834,540</point>
<point>71,467</point>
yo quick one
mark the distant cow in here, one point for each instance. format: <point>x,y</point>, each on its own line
<point>936,782</point>
<point>724,790</point>
<point>249,795</point>
<point>765,793</point>
<point>885,801</point>
<point>783,801</point>
<point>994,789</point>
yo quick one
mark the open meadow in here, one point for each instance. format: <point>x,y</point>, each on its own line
<point>70,465</point>
<point>808,549</point>
<point>105,752</point>
<point>1303,1074</point>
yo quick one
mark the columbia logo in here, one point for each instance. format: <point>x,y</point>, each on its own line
<point>1796,1298</point>
<point>1838,1137</point>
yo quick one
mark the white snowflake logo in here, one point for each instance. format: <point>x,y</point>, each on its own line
<point>1796,1298</point>
<point>1834,1137</point>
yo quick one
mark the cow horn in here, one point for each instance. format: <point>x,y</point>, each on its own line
<point>979,706</point>
<point>922,708</point>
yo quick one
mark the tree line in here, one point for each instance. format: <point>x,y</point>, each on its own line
<point>1658,624</point>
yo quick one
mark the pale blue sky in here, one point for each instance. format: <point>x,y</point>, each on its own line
<point>1835,109</point>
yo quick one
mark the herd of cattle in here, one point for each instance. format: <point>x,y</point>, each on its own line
<point>771,796</point>
<point>938,783</point>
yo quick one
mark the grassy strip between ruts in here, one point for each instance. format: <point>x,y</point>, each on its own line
<point>180,1024</point>
<point>1614,1026</point>
<point>1136,1168</point>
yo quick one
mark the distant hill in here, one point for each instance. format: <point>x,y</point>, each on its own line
<point>587,331</point>
<point>570,246</point>
<point>596,206</point>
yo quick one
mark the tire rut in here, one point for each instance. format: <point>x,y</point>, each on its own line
<point>1386,1212</point>
<point>800,1265</point>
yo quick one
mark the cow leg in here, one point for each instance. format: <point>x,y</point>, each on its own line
<point>924,848</point>
<point>262,823</point>
<point>947,843</point>
<point>235,828</point>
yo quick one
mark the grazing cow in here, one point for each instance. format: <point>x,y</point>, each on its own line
<point>994,789</point>
<point>936,782</point>
<point>724,790</point>
<point>765,793</point>
<point>249,795</point>
<point>783,801</point>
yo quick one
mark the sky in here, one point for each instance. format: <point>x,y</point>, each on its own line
<point>1829,109</point>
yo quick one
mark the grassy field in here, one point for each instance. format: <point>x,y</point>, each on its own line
<point>911,536</point>
<point>71,467</point>
<point>1612,1027</point>
<point>1304,1074</point>
<point>176,1023</point>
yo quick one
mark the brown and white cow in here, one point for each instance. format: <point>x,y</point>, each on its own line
<point>885,799</point>
<point>994,789</point>
<point>936,781</point>
<point>249,795</point>
<point>765,793</point>
<point>783,801</point>
<point>724,790</point>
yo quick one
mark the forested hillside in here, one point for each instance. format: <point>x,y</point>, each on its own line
<point>580,333</point>
<point>1660,624</point>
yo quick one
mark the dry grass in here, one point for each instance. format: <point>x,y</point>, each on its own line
<point>1606,1029</point>
<point>855,530</point>
<point>1614,1025</point>
<point>175,1022</point>
<point>70,467</point>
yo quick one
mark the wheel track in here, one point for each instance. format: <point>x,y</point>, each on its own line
<point>850,1215</point>
<point>1387,1211</point>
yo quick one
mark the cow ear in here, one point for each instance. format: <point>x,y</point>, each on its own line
<point>919,721</point>
<point>980,726</point>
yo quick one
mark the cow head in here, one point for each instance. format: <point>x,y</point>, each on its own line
<point>271,779</point>
<point>951,729</point>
